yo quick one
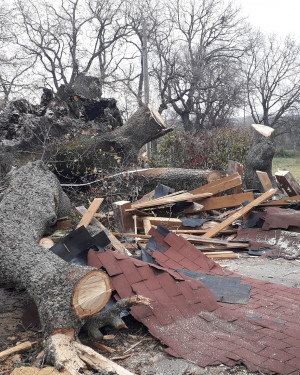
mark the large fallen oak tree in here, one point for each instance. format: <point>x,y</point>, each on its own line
<point>68,296</point>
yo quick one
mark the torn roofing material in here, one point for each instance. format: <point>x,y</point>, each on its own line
<point>283,218</point>
<point>74,247</point>
<point>225,289</point>
<point>184,315</point>
<point>175,250</point>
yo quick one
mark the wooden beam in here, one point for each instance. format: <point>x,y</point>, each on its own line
<point>222,255</point>
<point>90,212</point>
<point>226,201</point>
<point>264,180</point>
<point>220,185</point>
<point>214,231</point>
<point>116,244</point>
<point>169,199</point>
<point>288,182</point>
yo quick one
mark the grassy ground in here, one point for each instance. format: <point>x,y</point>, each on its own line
<point>291,164</point>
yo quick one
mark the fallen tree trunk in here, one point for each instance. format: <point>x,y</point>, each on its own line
<point>60,290</point>
<point>65,294</point>
<point>104,151</point>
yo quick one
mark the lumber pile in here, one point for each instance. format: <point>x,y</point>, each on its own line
<point>219,218</point>
<point>209,216</point>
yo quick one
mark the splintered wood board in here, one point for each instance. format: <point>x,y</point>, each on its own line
<point>168,200</point>
<point>116,244</point>
<point>226,201</point>
<point>90,212</point>
<point>264,180</point>
<point>214,231</point>
<point>220,185</point>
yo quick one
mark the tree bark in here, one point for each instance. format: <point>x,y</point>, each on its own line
<point>176,178</point>
<point>259,158</point>
<point>32,202</point>
<point>102,151</point>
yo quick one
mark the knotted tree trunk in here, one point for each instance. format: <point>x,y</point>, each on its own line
<point>259,158</point>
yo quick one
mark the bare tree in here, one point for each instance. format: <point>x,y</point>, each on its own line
<point>198,61</point>
<point>13,65</point>
<point>273,78</point>
<point>75,37</point>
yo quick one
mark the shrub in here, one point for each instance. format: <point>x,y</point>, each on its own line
<point>207,150</point>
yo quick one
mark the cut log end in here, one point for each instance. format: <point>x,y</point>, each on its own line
<point>91,294</point>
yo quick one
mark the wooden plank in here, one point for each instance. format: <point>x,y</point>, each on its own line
<point>169,199</point>
<point>282,202</point>
<point>264,180</point>
<point>116,244</point>
<point>89,214</point>
<point>225,255</point>
<point>288,182</point>
<point>214,231</point>
<point>226,201</point>
<point>123,219</point>
<point>215,241</point>
<point>233,167</point>
<point>220,185</point>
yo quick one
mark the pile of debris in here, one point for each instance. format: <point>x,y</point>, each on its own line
<point>200,310</point>
<point>159,267</point>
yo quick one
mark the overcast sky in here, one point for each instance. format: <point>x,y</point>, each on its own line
<point>280,17</point>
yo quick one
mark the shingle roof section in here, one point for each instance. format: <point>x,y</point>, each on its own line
<point>263,334</point>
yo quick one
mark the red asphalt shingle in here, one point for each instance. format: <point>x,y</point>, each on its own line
<point>185,316</point>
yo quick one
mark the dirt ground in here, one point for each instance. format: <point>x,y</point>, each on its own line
<point>144,354</point>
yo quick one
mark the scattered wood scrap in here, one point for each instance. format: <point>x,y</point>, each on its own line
<point>16,349</point>
<point>288,183</point>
